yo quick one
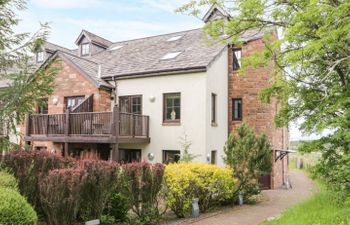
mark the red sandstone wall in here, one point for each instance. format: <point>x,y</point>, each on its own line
<point>255,113</point>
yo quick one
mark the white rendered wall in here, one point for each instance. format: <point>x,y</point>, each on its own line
<point>217,83</point>
<point>193,112</point>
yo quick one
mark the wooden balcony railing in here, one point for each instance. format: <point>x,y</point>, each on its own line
<point>113,125</point>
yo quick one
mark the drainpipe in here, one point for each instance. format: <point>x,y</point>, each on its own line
<point>115,93</point>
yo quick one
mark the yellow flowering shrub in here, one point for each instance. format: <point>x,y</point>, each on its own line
<point>209,183</point>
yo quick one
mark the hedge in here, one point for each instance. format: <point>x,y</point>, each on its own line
<point>209,183</point>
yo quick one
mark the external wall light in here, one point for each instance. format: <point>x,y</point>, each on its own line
<point>55,100</point>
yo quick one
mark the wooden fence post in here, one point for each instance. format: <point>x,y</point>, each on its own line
<point>27,125</point>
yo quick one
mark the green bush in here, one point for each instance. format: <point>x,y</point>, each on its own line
<point>8,181</point>
<point>14,209</point>
<point>117,208</point>
<point>101,177</point>
<point>209,183</point>
<point>143,183</point>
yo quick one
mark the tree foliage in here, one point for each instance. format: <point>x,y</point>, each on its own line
<point>249,156</point>
<point>27,83</point>
<point>311,61</point>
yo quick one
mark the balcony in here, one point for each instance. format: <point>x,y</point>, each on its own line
<point>88,127</point>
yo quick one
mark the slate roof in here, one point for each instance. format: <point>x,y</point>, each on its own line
<point>141,57</point>
<point>48,46</point>
<point>86,67</point>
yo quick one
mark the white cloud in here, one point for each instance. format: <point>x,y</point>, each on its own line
<point>66,4</point>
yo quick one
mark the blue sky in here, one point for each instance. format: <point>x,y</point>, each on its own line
<point>113,19</point>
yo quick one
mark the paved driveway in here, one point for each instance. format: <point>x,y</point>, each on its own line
<point>278,201</point>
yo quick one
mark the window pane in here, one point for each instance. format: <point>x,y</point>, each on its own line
<point>85,49</point>
<point>213,108</point>
<point>172,107</point>
<point>171,156</point>
<point>237,109</point>
<point>74,101</point>
<point>237,54</point>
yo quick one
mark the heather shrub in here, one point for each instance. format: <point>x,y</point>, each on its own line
<point>209,183</point>
<point>60,195</point>
<point>8,181</point>
<point>101,180</point>
<point>31,166</point>
<point>14,209</point>
<point>143,184</point>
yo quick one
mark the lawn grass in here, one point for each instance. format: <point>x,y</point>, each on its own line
<point>321,209</point>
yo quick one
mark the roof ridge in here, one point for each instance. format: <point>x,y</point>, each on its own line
<point>158,35</point>
<point>83,30</point>
<point>58,45</point>
<point>78,57</point>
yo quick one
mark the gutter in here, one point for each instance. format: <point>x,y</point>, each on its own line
<point>197,69</point>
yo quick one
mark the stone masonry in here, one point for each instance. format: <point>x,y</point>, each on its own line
<point>68,83</point>
<point>255,113</point>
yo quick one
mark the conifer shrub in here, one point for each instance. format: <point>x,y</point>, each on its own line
<point>14,209</point>
<point>209,183</point>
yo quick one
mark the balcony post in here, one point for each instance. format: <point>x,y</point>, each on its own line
<point>114,154</point>
<point>66,128</point>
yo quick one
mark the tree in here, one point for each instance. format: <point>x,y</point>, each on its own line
<point>27,83</point>
<point>185,155</point>
<point>249,156</point>
<point>311,61</point>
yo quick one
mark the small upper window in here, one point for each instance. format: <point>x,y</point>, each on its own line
<point>174,38</point>
<point>40,57</point>
<point>171,55</point>
<point>237,54</point>
<point>85,49</point>
<point>237,109</point>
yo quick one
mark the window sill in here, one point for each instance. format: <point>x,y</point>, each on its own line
<point>171,124</point>
<point>214,124</point>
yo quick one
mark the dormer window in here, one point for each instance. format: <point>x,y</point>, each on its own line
<point>39,57</point>
<point>85,49</point>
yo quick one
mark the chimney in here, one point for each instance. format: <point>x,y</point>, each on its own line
<point>99,71</point>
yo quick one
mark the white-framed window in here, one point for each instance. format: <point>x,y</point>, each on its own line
<point>85,49</point>
<point>40,57</point>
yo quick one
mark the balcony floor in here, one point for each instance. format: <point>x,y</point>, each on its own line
<point>90,139</point>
